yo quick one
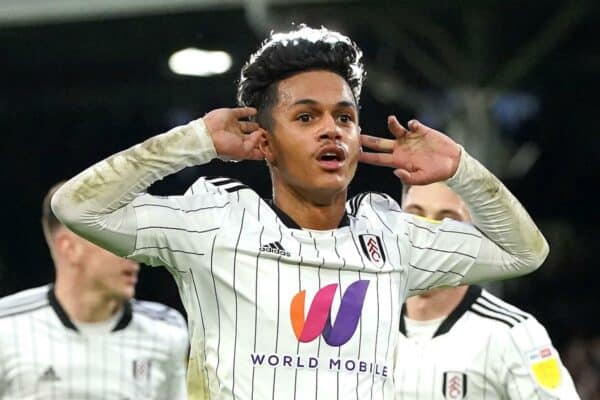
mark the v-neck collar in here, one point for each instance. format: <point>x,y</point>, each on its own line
<point>66,321</point>
<point>290,223</point>
<point>473,292</point>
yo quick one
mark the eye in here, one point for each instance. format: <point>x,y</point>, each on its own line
<point>346,118</point>
<point>304,117</point>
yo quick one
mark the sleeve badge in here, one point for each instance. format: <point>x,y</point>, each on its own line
<point>544,366</point>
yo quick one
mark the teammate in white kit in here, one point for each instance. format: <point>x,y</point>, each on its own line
<point>247,268</point>
<point>465,343</point>
<point>83,337</point>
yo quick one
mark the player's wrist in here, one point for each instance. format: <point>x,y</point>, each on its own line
<point>206,146</point>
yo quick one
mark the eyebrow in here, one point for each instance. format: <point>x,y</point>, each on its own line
<point>312,102</point>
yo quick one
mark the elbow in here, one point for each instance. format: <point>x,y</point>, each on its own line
<point>64,209</point>
<point>537,254</point>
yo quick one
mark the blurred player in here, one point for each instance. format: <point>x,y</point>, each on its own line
<point>248,267</point>
<point>84,337</point>
<point>464,342</point>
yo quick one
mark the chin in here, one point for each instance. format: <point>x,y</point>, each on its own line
<point>126,293</point>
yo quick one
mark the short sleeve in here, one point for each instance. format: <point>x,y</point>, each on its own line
<point>531,367</point>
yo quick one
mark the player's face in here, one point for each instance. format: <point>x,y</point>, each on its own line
<point>313,145</point>
<point>114,276</point>
<point>436,201</point>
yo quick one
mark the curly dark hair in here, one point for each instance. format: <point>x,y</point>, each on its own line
<point>285,54</point>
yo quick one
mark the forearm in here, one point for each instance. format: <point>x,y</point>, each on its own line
<point>501,217</point>
<point>95,203</point>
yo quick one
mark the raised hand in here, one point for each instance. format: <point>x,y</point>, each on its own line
<point>234,139</point>
<point>419,155</point>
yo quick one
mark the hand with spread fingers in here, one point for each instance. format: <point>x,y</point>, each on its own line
<point>233,138</point>
<point>419,155</point>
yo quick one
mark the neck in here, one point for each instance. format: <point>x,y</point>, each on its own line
<point>84,304</point>
<point>319,213</point>
<point>434,304</point>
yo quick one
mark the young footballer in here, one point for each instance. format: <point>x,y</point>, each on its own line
<point>465,343</point>
<point>83,337</point>
<point>298,297</point>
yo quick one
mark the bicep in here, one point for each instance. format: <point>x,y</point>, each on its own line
<point>176,229</point>
<point>439,253</point>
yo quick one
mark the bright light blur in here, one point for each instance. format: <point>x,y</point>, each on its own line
<point>198,62</point>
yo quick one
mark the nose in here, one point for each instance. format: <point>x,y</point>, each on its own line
<point>132,264</point>
<point>329,129</point>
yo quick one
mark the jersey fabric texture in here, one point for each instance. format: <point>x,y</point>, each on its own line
<point>277,311</point>
<point>280,312</point>
<point>44,356</point>
<point>485,349</point>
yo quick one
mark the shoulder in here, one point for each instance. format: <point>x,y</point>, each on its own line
<point>24,302</point>
<point>503,316</point>
<point>512,326</point>
<point>216,185</point>
<point>158,313</point>
<point>371,201</point>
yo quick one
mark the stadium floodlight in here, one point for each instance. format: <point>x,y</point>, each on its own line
<point>199,62</point>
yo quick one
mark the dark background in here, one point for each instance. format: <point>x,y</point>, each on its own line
<point>75,90</point>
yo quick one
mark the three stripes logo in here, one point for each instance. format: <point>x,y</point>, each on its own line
<point>275,248</point>
<point>318,319</point>
<point>373,248</point>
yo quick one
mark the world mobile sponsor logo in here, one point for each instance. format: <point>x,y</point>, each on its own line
<point>318,318</point>
<point>275,360</point>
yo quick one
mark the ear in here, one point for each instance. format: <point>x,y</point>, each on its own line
<point>266,146</point>
<point>67,246</point>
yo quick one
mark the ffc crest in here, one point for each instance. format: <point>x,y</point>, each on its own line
<point>373,248</point>
<point>142,370</point>
<point>454,386</point>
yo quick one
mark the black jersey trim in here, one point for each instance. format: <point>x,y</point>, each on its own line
<point>509,324</point>
<point>494,301</point>
<point>487,309</point>
<point>235,185</point>
<point>472,294</point>
<point>290,223</point>
<point>125,318</point>
<point>60,312</point>
<point>66,321</point>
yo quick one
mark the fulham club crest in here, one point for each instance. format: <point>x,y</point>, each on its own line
<point>454,386</point>
<point>373,248</point>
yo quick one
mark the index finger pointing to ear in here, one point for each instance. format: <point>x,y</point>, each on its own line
<point>248,127</point>
<point>242,112</point>
<point>377,143</point>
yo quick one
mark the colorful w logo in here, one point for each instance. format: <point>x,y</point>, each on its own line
<point>318,319</point>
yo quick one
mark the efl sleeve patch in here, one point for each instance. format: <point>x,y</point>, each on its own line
<point>545,367</point>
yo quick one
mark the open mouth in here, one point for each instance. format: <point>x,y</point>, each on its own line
<point>331,157</point>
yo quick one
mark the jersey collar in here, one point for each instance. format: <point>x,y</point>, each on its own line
<point>469,298</point>
<point>290,223</point>
<point>66,321</point>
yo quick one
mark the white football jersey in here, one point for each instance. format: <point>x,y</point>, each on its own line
<point>276,311</point>
<point>485,349</point>
<point>44,356</point>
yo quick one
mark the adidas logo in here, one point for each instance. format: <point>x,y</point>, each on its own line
<point>49,376</point>
<point>276,248</point>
